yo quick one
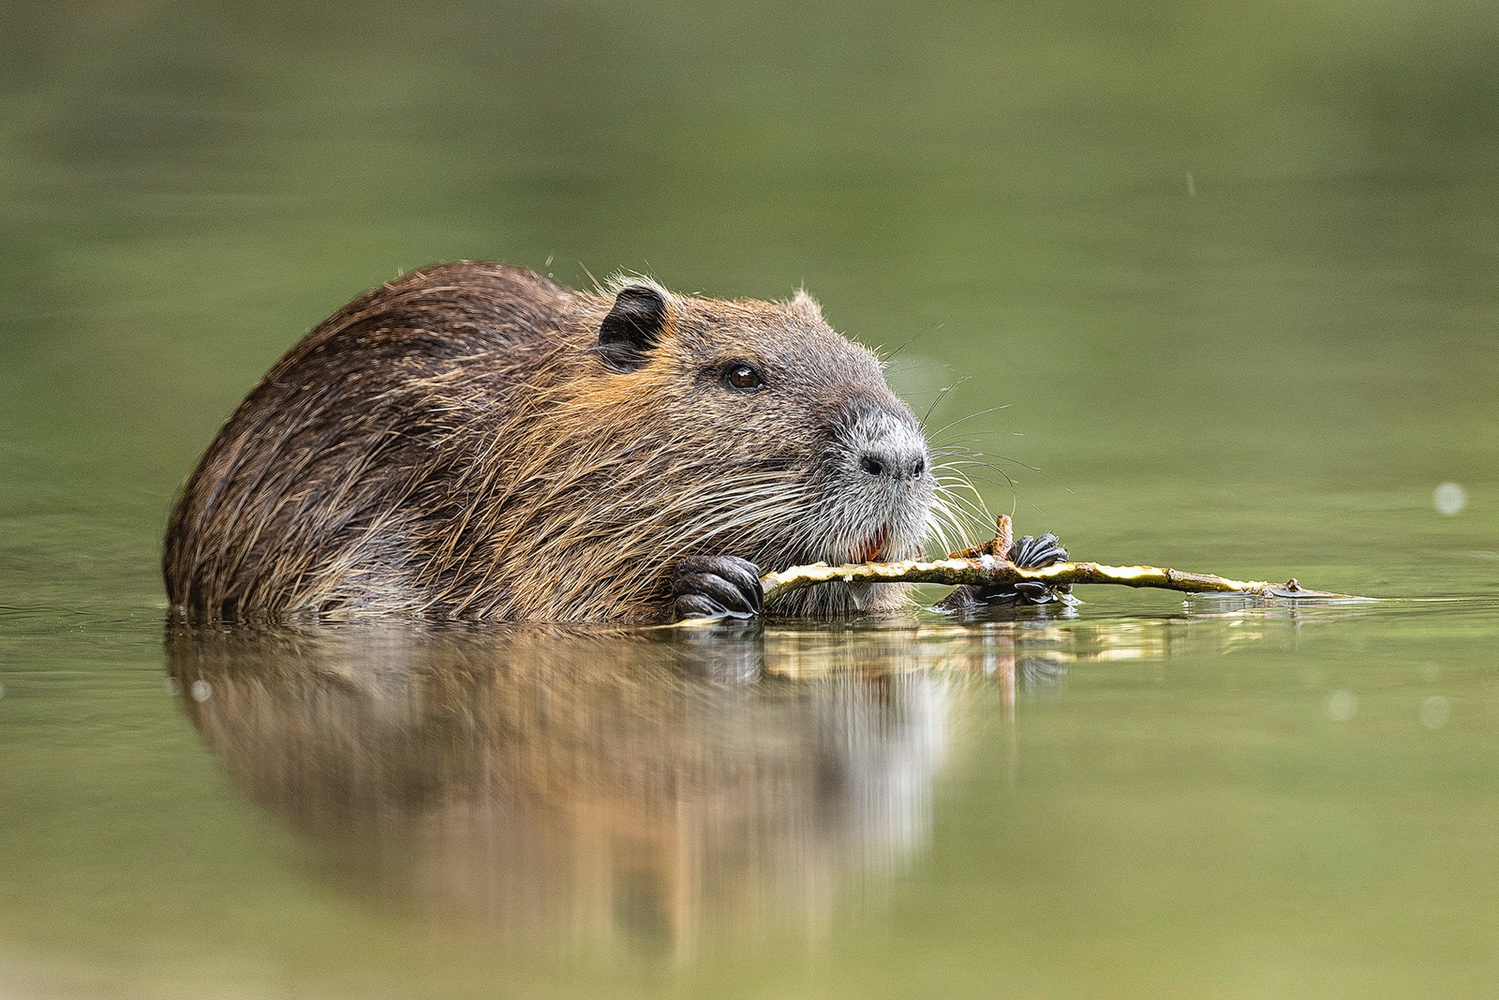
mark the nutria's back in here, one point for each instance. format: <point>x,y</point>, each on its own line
<point>475,441</point>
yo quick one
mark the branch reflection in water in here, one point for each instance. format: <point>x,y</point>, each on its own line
<point>630,789</point>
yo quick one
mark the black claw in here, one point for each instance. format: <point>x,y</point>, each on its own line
<point>742,573</point>
<point>716,589</point>
<point>1033,592</point>
<point>1029,552</point>
<point>1033,553</point>
<point>694,606</point>
<point>713,586</point>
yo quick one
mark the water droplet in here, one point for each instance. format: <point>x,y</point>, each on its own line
<point>1435,711</point>
<point>1449,498</point>
<point>1340,705</point>
<point>200,690</point>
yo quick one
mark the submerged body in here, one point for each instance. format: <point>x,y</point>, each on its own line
<point>474,441</point>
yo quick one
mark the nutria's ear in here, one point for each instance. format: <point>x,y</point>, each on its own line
<point>806,305</point>
<point>632,327</point>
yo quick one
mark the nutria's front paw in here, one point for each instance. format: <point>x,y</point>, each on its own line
<point>1033,553</point>
<point>1027,553</point>
<point>717,586</point>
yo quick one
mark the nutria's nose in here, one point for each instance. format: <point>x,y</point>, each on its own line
<point>894,463</point>
<point>886,441</point>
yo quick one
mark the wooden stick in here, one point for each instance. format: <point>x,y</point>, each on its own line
<point>984,565</point>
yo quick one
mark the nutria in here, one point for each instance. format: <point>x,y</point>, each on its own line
<point>475,441</point>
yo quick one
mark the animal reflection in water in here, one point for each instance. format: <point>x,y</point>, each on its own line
<point>665,790</point>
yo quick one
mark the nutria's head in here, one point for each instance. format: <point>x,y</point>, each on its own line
<point>751,429</point>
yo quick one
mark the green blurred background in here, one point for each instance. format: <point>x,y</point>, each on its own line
<point>1228,271</point>
<point>1166,236</point>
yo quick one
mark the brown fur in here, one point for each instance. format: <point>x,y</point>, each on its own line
<point>452,444</point>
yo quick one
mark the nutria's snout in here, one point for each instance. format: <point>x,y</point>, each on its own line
<point>889,447</point>
<point>886,464</point>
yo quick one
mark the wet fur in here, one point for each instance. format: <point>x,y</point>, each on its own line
<point>453,444</point>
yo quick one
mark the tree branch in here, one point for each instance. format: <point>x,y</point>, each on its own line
<point>984,565</point>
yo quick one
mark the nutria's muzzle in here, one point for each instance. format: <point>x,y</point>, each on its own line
<point>887,442</point>
<point>887,466</point>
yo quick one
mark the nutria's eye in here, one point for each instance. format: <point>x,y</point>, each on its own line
<point>742,376</point>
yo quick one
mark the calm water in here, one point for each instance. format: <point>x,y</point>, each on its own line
<point>1212,289</point>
